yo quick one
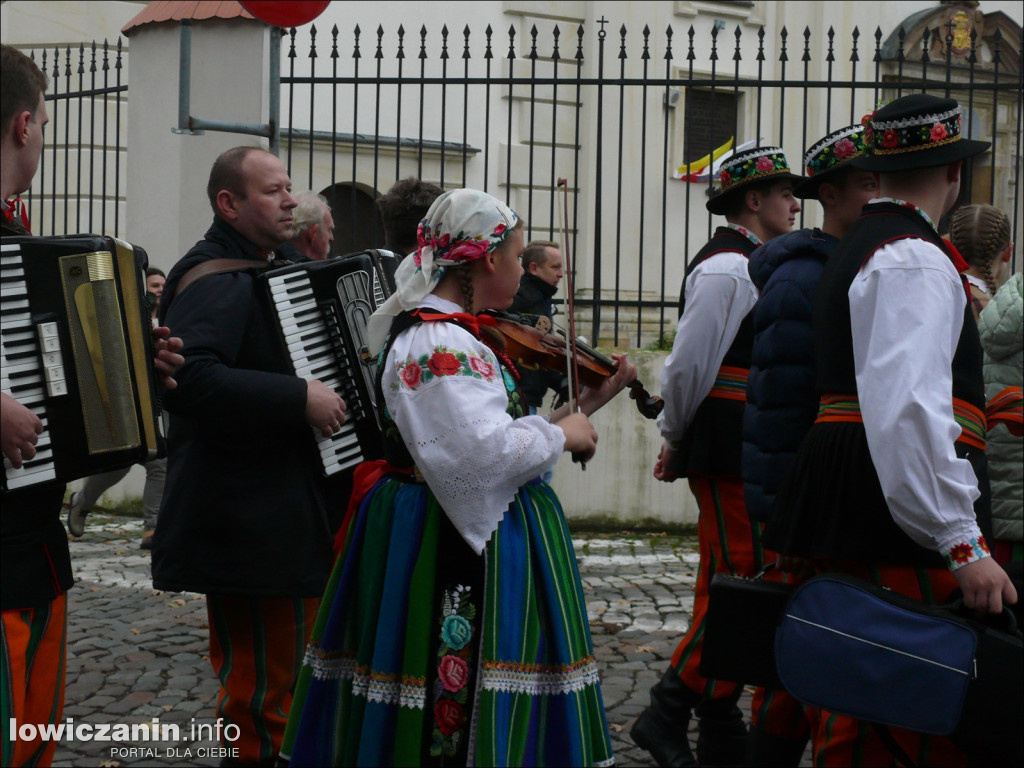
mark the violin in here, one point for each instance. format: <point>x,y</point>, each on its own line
<point>531,348</point>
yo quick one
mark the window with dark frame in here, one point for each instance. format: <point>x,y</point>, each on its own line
<point>710,121</point>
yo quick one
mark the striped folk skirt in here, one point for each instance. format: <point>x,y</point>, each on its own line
<point>425,653</point>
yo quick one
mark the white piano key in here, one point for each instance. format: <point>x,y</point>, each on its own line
<point>20,481</point>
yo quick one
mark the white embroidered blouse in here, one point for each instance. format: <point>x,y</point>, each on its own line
<point>444,389</point>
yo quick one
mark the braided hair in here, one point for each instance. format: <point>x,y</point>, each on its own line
<point>981,233</point>
<point>462,272</point>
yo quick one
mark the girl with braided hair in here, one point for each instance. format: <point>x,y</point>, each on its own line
<point>982,235</point>
<point>454,629</point>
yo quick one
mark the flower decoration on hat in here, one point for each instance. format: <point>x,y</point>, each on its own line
<point>754,165</point>
<point>916,132</point>
<point>834,150</point>
<point>746,167</point>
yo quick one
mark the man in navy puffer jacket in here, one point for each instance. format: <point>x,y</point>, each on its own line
<point>782,401</point>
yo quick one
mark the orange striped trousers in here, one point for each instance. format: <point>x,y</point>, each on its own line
<point>729,544</point>
<point>256,649</point>
<point>34,651</point>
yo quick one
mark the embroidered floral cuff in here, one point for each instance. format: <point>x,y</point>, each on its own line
<point>965,552</point>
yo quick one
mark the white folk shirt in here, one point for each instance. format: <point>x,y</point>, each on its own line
<point>719,295</point>
<point>907,312</point>
<point>472,454</point>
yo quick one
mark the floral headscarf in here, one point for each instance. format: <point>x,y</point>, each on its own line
<point>461,226</point>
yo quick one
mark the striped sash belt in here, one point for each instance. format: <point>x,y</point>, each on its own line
<point>846,408</point>
<point>1007,408</point>
<point>730,384</point>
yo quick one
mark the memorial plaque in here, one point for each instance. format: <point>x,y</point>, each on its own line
<point>710,121</point>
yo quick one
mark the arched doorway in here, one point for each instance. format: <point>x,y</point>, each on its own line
<point>357,224</point>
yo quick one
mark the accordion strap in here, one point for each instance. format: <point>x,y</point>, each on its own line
<point>218,266</point>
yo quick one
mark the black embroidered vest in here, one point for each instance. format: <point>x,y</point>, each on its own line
<point>882,223</point>
<point>714,440</point>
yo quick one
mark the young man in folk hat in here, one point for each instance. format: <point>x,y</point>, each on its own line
<point>782,400</point>
<point>887,484</point>
<point>702,385</point>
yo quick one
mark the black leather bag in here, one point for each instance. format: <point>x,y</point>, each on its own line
<point>739,634</point>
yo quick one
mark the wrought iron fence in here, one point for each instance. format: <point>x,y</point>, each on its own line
<point>510,115</point>
<point>79,186</point>
<point>515,115</point>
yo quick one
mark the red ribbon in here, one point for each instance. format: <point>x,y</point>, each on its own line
<point>472,323</point>
<point>961,266</point>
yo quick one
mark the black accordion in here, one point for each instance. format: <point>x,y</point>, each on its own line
<point>322,308</point>
<point>78,352</point>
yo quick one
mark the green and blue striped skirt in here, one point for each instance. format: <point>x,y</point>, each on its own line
<point>425,653</point>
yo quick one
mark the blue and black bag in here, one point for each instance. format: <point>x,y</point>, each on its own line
<point>850,646</point>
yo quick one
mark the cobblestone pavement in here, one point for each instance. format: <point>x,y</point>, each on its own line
<point>135,654</point>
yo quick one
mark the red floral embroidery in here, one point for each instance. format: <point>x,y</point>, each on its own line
<point>449,716</point>
<point>939,132</point>
<point>469,250</point>
<point>444,364</point>
<point>481,366</point>
<point>765,164</point>
<point>890,139</point>
<point>844,148</point>
<point>453,672</point>
<point>961,553</point>
<point>499,229</point>
<point>411,375</point>
<point>726,178</point>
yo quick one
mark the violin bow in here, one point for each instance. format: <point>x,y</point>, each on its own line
<point>571,361</point>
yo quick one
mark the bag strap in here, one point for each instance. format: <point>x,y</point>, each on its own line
<point>893,746</point>
<point>217,266</point>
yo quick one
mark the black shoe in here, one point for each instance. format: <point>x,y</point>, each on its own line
<point>721,734</point>
<point>771,751</point>
<point>661,728</point>
<point>666,742</point>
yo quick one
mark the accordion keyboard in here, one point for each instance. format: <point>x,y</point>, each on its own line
<point>23,366</point>
<point>313,342</point>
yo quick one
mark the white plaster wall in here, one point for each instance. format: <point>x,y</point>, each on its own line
<point>169,210</point>
<point>619,482</point>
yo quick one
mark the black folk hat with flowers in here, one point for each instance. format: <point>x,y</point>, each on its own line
<point>914,132</point>
<point>746,168</point>
<point>833,153</point>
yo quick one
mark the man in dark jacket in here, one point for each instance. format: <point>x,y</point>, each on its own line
<point>542,271</point>
<point>243,517</point>
<point>782,400</point>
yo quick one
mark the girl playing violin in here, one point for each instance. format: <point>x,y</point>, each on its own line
<point>453,630</point>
